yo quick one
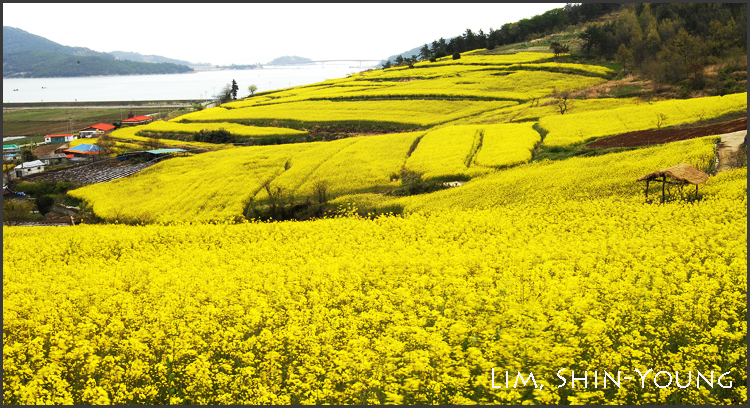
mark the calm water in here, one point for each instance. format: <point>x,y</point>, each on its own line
<point>197,85</point>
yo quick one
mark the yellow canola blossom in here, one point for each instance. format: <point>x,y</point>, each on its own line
<point>575,128</point>
<point>120,145</point>
<point>322,91</point>
<point>368,164</point>
<point>534,110</point>
<point>234,128</point>
<point>577,178</point>
<point>411,310</point>
<point>461,152</point>
<point>507,145</point>
<point>488,77</point>
<point>206,187</point>
<point>532,269</point>
<point>411,113</point>
<point>453,82</point>
<point>80,141</point>
<point>129,133</point>
<point>301,165</point>
<point>448,153</point>
<point>505,59</point>
<point>597,70</point>
<point>518,85</point>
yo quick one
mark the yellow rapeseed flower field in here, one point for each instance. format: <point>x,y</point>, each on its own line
<point>130,133</point>
<point>448,153</point>
<point>369,163</point>
<point>233,128</point>
<point>401,113</point>
<point>507,145</point>
<point>558,273</point>
<point>579,127</point>
<point>412,310</point>
<point>577,178</point>
<point>205,187</point>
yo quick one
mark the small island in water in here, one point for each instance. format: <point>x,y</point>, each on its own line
<point>291,60</point>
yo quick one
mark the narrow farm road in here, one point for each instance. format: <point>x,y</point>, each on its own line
<point>728,148</point>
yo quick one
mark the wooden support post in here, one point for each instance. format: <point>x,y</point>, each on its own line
<point>646,190</point>
<point>663,185</point>
<point>696,192</point>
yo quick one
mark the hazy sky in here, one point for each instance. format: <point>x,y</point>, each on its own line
<point>251,33</point>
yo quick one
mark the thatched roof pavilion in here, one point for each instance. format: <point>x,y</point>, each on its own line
<point>681,174</point>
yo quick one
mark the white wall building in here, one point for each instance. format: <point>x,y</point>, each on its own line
<point>24,169</point>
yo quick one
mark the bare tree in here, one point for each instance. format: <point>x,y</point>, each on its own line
<point>660,119</point>
<point>106,143</point>
<point>562,101</point>
<point>321,191</point>
<point>16,211</point>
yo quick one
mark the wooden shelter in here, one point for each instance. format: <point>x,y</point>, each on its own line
<point>680,175</point>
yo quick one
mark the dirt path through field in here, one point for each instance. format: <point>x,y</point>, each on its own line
<point>728,148</point>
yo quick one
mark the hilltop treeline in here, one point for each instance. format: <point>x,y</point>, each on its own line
<point>672,44</point>
<point>523,30</point>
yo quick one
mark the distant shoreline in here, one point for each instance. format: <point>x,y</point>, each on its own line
<point>155,103</point>
<point>99,76</point>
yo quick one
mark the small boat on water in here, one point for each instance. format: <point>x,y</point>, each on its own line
<point>15,89</point>
<point>44,87</point>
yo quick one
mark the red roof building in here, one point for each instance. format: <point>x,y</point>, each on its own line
<point>96,130</point>
<point>137,120</point>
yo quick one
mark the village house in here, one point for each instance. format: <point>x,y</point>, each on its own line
<point>137,120</point>
<point>59,138</point>
<point>95,130</point>
<point>53,159</point>
<point>82,150</point>
<point>24,169</point>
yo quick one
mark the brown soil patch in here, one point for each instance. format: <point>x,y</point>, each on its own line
<point>605,89</point>
<point>48,149</point>
<point>729,148</point>
<point>659,136</point>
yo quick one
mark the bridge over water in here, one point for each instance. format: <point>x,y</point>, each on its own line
<point>323,62</point>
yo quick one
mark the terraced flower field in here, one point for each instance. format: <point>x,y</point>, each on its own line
<point>401,114</point>
<point>233,128</point>
<point>576,128</point>
<point>530,267</point>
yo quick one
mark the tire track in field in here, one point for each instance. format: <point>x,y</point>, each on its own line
<point>475,148</point>
<point>411,150</point>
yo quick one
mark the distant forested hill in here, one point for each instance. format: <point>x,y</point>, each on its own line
<point>50,64</point>
<point>16,40</point>
<point>27,55</point>
<point>134,56</point>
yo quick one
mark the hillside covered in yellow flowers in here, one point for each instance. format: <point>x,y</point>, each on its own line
<point>542,259</point>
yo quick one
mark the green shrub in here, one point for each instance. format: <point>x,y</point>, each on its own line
<point>44,204</point>
<point>214,136</point>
